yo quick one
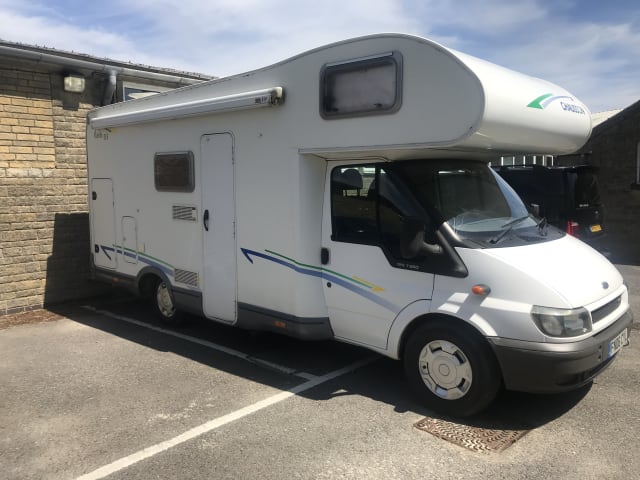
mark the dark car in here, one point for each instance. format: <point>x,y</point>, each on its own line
<point>568,197</point>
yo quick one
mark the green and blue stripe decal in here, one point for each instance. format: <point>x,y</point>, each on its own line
<point>354,284</point>
<point>143,258</point>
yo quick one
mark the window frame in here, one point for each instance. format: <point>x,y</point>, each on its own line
<point>190,187</point>
<point>394,58</point>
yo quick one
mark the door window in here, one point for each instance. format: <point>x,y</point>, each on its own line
<point>353,206</point>
<point>371,206</point>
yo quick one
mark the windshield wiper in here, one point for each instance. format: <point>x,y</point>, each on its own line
<point>507,228</point>
<point>542,226</point>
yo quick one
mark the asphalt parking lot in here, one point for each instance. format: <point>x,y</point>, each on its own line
<point>104,391</point>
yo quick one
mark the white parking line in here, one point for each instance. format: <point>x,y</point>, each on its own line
<point>205,343</point>
<point>218,422</point>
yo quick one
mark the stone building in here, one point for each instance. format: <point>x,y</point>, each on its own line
<point>45,95</point>
<point>614,147</point>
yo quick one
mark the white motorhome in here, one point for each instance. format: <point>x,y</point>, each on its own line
<point>345,193</point>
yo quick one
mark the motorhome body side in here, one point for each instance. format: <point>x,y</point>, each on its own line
<point>287,200</point>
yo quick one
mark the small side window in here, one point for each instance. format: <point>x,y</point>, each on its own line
<point>174,172</point>
<point>368,86</point>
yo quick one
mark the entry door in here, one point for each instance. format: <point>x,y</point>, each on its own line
<point>218,227</point>
<point>365,289</point>
<point>103,227</point>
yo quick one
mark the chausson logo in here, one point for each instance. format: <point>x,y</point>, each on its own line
<point>566,102</point>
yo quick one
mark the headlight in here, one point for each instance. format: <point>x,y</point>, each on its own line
<point>560,322</point>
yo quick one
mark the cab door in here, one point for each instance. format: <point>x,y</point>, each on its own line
<point>366,282</point>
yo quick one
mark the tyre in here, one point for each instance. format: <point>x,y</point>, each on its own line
<point>451,368</point>
<point>164,304</point>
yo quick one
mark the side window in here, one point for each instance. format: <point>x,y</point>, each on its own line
<point>174,172</point>
<point>370,206</point>
<point>368,86</point>
<point>353,208</point>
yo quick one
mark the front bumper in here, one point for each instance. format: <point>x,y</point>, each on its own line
<point>556,367</point>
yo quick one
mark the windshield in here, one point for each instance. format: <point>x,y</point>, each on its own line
<point>469,196</point>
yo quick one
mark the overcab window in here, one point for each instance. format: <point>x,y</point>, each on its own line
<point>367,86</point>
<point>174,172</point>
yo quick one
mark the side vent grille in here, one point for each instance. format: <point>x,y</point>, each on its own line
<point>185,212</point>
<point>186,277</point>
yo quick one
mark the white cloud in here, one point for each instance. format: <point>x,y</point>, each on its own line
<point>223,37</point>
<point>594,59</point>
<point>488,17</point>
<point>597,62</point>
<point>40,31</point>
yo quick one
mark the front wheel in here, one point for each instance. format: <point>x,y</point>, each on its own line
<point>451,368</point>
<point>164,304</point>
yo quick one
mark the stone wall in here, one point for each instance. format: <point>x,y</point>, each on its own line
<point>613,147</point>
<point>44,227</point>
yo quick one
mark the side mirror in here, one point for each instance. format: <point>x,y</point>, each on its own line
<point>412,242</point>
<point>535,209</point>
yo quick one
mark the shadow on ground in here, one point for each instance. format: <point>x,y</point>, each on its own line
<point>382,380</point>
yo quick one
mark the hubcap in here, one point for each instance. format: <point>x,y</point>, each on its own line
<point>445,369</point>
<point>163,298</point>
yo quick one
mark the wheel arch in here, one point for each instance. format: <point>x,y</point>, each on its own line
<point>433,318</point>
<point>146,278</point>
<point>417,314</point>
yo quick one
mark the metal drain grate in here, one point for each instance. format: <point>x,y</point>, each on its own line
<point>476,439</point>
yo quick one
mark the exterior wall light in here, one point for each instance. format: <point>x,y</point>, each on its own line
<point>74,83</point>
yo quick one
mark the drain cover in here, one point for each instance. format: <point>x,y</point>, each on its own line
<point>476,439</point>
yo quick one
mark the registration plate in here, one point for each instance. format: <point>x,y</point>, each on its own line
<point>595,228</point>
<point>617,343</point>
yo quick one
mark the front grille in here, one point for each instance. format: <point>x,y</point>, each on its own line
<point>605,310</point>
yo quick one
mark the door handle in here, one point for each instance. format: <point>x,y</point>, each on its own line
<point>324,256</point>
<point>205,220</point>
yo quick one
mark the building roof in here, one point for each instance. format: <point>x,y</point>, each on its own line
<point>620,117</point>
<point>599,117</point>
<point>56,60</point>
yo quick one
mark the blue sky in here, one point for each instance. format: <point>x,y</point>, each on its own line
<point>592,48</point>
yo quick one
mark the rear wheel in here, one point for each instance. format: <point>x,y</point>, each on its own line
<point>451,368</point>
<point>164,303</point>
